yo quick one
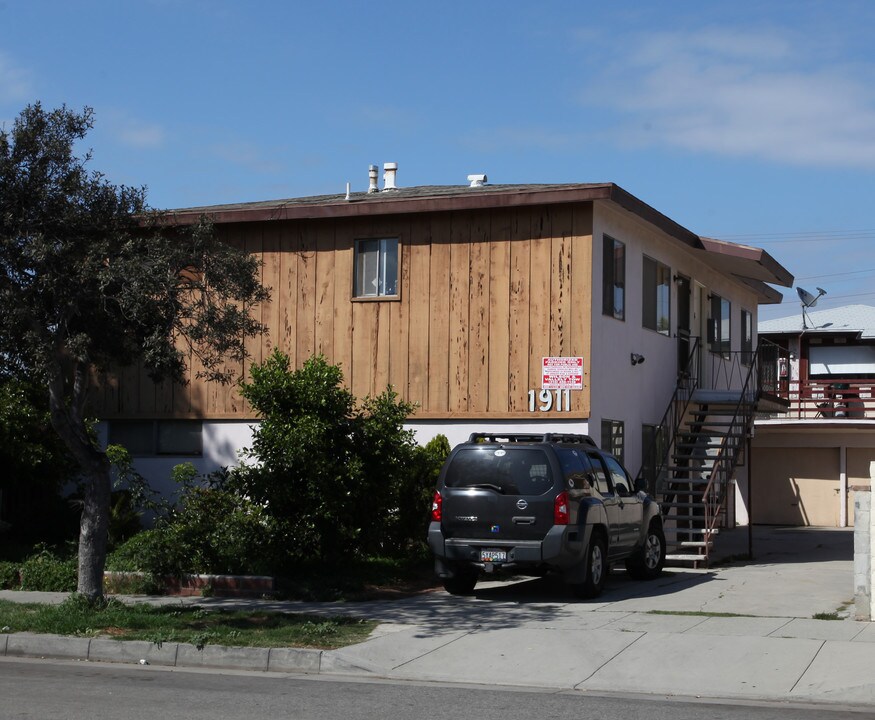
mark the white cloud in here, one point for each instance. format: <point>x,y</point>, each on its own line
<point>247,155</point>
<point>141,135</point>
<point>133,132</point>
<point>741,93</point>
<point>15,82</point>
<point>502,139</point>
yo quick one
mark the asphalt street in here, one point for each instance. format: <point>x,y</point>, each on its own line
<point>80,691</point>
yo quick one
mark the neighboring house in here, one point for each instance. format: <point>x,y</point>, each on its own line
<point>456,295</point>
<point>807,462</point>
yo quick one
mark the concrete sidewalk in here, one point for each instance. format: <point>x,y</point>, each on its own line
<point>532,633</point>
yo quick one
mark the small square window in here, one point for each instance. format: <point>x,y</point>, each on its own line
<point>136,436</point>
<point>376,268</point>
<point>147,438</point>
<point>180,437</point>
<point>612,438</point>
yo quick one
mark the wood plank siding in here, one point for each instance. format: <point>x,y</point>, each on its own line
<point>483,295</point>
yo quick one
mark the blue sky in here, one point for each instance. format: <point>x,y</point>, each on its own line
<point>747,121</point>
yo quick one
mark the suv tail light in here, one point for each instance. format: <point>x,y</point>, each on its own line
<point>436,506</point>
<point>560,509</point>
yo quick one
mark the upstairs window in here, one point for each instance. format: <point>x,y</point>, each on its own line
<point>613,278</point>
<point>718,326</point>
<point>656,307</point>
<point>746,337</point>
<point>376,268</point>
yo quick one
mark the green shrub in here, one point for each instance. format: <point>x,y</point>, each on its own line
<point>9,576</point>
<point>217,530</point>
<point>151,551</point>
<point>337,479</point>
<point>46,571</point>
<point>213,529</point>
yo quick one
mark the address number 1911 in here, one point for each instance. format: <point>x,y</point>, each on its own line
<point>547,400</point>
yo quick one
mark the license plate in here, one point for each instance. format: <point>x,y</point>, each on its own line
<point>493,556</point>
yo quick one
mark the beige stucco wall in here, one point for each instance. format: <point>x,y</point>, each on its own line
<point>803,472</point>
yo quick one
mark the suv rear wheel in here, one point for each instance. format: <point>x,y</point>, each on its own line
<point>462,583</point>
<point>648,561</point>
<point>596,569</point>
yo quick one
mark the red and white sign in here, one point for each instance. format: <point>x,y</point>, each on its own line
<point>562,373</point>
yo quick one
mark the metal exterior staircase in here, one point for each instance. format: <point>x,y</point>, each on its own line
<point>697,447</point>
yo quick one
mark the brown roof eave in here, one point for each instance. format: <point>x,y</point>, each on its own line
<point>640,208</point>
<point>398,205</point>
<point>766,295</point>
<point>754,255</point>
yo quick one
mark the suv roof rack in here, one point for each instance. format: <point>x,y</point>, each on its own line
<point>532,438</point>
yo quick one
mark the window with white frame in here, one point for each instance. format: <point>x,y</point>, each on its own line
<point>656,296</point>
<point>376,268</point>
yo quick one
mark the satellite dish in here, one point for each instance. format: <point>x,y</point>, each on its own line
<point>808,301</point>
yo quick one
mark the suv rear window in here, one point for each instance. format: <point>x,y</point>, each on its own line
<point>511,471</point>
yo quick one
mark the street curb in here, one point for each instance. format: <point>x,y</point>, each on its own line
<point>291,660</point>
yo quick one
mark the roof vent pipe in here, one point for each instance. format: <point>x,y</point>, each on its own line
<point>476,180</point>
<point>389,170</point>
<point>372,179</point>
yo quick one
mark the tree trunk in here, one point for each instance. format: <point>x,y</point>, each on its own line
<point>67,416</point>
<point>93,532</point>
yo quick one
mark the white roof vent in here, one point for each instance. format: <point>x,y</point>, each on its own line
<point>373,173</point>
<point>389,171</point>
<point>476,180</point>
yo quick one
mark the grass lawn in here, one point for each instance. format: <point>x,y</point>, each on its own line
<point>189,624</point>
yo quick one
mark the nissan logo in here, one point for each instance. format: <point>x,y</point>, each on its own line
<point>521,504</point>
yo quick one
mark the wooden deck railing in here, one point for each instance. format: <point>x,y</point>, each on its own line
<point>832,399</point>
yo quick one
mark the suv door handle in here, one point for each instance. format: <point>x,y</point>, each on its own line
<point>524,520</point>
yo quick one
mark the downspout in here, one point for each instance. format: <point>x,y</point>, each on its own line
<point>843,486</point>
<point>749,459</point>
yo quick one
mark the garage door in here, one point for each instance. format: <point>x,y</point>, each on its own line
<point>796,486</point>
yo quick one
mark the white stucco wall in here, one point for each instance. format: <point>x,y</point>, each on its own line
<point>222,442</point>
<point>639,394</point>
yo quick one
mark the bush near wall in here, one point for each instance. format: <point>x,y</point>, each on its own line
<point>338,478</point>
<point>10,578</point>
<point>330,480</point>
<point>49,572</point>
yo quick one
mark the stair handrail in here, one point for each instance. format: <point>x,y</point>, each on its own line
<point>667,431</point>
<point>725,464</point>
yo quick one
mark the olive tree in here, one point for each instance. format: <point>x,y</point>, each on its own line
<point>88,282</point>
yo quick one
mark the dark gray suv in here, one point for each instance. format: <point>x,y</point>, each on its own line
<point>536,503</point>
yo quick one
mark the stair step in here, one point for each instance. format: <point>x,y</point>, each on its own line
<point>690,531</point>
<point>711,423</point>
<point>686,557</point>
<point>683,505</point>
<point>685,468</point>
<point>695,544</point>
